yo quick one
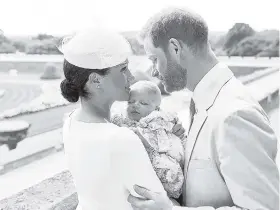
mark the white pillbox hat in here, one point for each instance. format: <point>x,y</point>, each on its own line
<point>95,48</point>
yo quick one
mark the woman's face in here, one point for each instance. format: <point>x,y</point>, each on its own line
<point>116,83</point>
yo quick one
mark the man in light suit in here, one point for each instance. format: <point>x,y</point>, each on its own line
<point>231,147</point>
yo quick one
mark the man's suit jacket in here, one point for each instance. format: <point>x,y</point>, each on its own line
<point>231,148</point>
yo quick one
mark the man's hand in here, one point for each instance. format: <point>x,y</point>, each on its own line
<point>178,129</point>
<point>151,200</point>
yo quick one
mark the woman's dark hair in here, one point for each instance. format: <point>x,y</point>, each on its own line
<point>73,86</point>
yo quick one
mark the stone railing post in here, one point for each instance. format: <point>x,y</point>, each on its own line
<point>11,133</point>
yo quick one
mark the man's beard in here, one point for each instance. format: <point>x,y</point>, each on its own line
<point>175,78</point>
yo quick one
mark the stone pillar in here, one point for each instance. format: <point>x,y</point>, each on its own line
<point>1,160</point>
<point>12,132</point>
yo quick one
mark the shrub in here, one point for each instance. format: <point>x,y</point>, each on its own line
<point>51,72</point>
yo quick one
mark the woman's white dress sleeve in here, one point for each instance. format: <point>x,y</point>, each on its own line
<point>133,164</point>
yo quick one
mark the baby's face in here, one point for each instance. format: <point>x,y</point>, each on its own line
<point>140,104</point>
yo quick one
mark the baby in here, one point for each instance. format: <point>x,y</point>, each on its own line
<point>154,127</point>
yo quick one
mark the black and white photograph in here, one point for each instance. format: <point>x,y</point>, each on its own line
<point>139,105</point>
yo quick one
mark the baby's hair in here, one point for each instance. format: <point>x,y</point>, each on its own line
<point>148,86</point>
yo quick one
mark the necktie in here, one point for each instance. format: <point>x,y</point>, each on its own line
<point>192,113</point>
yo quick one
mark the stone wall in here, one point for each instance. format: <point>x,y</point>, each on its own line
<point>55,193</point>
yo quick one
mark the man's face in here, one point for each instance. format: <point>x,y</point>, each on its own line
<point>165,67</point>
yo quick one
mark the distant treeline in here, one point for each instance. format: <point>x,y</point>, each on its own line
<point>240,40</point>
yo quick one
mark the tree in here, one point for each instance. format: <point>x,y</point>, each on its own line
<point>271,51</point>
<point>264,43</point>
<point>46,47</point>
<point>3,39</point>
<point>7,48</point>
<point>237,33</point>
<point>43,37</point>
<point>20,46</point>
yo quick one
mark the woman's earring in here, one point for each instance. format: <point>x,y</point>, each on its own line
<point>98,86</point>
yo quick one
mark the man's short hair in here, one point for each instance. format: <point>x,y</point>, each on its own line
<point>177,23</point>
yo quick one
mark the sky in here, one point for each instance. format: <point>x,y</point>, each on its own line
<point>61,17</point>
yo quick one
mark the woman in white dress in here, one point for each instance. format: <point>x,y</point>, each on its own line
<point>106,161</point>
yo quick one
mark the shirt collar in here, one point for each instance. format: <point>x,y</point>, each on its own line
<point>208,88</point>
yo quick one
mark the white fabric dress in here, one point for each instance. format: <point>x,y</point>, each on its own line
<point>105,162</point>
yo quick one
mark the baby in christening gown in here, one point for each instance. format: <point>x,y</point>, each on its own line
<point>166,150</point>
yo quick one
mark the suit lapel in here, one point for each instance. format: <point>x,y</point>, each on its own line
<point>197,124</point>
<point>204,97</point>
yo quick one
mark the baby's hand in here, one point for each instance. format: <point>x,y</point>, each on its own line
<point>178,129</point>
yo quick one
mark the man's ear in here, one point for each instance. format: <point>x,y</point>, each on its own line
<point>175,48</point>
